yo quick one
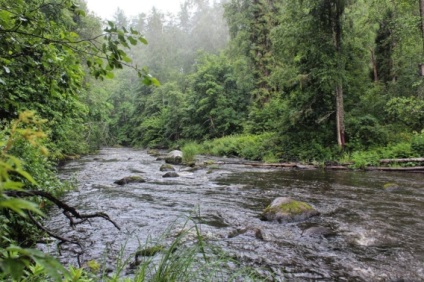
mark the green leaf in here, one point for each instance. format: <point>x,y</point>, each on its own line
<point>26,175</point>
<point>126,59</point>
<point>19,206</point>
<point>143,40</point>
<point>132,40</point>
<point>110,75</point>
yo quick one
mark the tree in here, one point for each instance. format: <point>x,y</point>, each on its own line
<point>216,105</point>
<point>250,23</point>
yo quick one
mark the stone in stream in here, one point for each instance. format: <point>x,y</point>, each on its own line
<point>318,231</point>
<point>171,174</point>
<point>130,179</point>
<point>174,157</point>
<point>249,231</point>
<point>391,187</point>
<point>285,209</point>
<point>166,167</point>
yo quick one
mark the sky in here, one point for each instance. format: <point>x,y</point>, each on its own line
<point>107,8</point>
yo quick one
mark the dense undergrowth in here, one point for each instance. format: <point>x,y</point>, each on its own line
<point>269,148</point>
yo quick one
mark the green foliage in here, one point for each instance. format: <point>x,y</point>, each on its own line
<point>216,105</point>
<point>190,150</point>
<point>372,157</point>
<point>417,144</point>
<point>407,110</point>
<point>366,131</point>
<point>15,176</point>
<point>252,147</point>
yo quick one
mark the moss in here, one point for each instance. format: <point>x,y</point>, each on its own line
<point>153,152</point>
<point>167,167</point>
<point>292,207</point>
<point>149,252</point>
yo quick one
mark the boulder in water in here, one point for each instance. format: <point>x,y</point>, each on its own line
<point>285,209</point>
<point>174,157</point>
<point>130,179</point>
<point>171,174</point>
<point>391,187</point>
<point>166,167</point>
<point>318,231</point>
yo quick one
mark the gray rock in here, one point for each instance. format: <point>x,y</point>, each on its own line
<point>166,167</point>
<point>318,231</point>
<point>174,157</point>
<point>130,179</point>
<point>248,231</point>
<point>171,174</point>
<point>285,209</point>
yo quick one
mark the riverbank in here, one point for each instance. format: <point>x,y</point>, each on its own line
<point>265,148</point>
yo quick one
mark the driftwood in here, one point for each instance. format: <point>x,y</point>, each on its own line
<point>344,166</point>
<point>407,160</point>
<point>404,169</point>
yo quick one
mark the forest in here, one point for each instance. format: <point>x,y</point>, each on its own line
<point>276,81</point>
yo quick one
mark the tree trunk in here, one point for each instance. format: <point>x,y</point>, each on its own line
<point>340,116</point>
<point>422,33</point>
<point>374,65</point>
<point>337,33</point>
<point>422,20</point>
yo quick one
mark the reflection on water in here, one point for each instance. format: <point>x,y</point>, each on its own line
<point>376,235</point>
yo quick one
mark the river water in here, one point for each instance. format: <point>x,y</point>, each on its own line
<point>377,235</point>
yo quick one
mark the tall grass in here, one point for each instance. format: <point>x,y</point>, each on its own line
<point>188,256</point>
<point>190,150</point>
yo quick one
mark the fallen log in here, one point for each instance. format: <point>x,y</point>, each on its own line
<point>336,167</point>
<point>404,169</point>
<point>405,160</point>
<point>258,164</point>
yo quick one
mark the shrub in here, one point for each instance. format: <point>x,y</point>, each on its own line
<point>190,150</point>
<point>417,144</point>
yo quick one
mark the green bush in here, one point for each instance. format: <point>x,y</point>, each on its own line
<point>251,147</point>
<point>417,144</point>
<point>190,150</point>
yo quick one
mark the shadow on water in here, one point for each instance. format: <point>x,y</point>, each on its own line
<point>375,235</point>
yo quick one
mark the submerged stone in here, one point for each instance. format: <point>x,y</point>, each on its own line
<point>285,209</point>
<point>391,187</point>
<point>318,231</point>
<point>130,179</point>
<point>153,152</point>
<point>171,174</point>
<point>166,167</point>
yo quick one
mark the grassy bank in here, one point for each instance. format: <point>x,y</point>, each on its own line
<point>269,148</point>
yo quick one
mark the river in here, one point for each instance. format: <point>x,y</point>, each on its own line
<point>377,235</point>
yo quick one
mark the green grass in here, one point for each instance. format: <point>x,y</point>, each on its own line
<point>190,150</point>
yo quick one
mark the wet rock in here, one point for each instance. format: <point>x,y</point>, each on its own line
<point>166,167</point>
<point>248,231</point>
<point>318,231</point>
<point>391,187</point>
<point>285,209</point>
<point>130,179</point>
<point>149,252</point>
<point>153,152</point>
<point>171,174</point>
<point>174,157</point>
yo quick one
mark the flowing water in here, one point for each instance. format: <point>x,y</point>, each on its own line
<point>377,235</point>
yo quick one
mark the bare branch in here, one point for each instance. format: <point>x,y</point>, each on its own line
<point>68,211</point>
